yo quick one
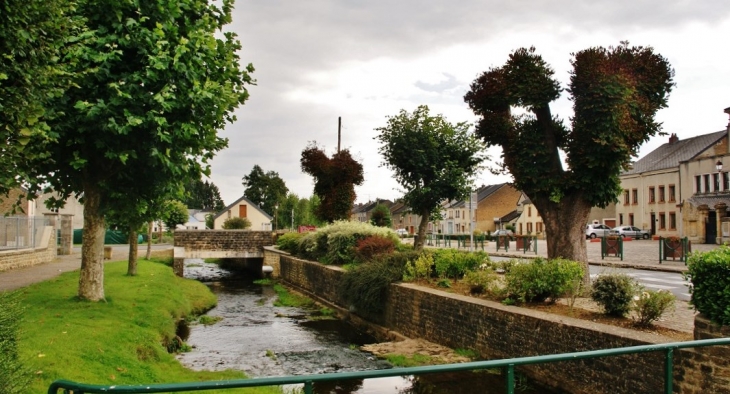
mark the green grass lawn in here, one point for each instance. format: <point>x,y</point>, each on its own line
<point>119,341</point>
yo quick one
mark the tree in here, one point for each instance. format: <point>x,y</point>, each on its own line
<point>433,160</point>
<point>204,196</point>
<point>334,181</point>
<point>264,189</point>
<point>154,83</point>
<point>381,216</point>
<point>236,223</point>
<point>616,93</point>
<point>175,213</point>
<point>32,34</point>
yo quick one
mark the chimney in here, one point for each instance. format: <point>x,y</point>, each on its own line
<point>673,138</point>
<point>727,111</point>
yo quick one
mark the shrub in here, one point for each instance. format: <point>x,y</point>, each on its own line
<point>452,263</point>
<point>365,287</point>
<point>236,223</point>
<point>335,243</point>
<point>13,375</point>
<point>482,281</point>
<point>542,279</point>
<point>614,293</point>
<point>709,274</point>
<point>420,268</point>
<point>650,305</point>
<point>372,246</point>
<point>289,242</point>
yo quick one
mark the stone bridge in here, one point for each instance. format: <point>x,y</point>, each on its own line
<point>220,244</point>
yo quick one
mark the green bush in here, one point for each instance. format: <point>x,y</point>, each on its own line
<point>614,293</point>
<point>452,263</point>
<point>709,274</point>
<point>650,305</point>
<point>14,377</point>
<point>365,287</point>
<point>482,281</point>
<point>289,242</point>
<point>236,223</point>
<point>419,269</point>
<point>542,279</point>
<point>336,242</point>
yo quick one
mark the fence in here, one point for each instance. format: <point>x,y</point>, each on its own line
<point>21,232</point>
<point>507,367</point>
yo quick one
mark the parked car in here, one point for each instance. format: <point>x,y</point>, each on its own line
<point>499,233</point>
<point>630,232</point>
<point>401,232</point>
<point>597,230</point>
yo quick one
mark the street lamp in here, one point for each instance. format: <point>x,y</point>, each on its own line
<point>718,165</point>
<point>276,208</point>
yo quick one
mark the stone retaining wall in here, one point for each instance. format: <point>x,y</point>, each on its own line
<point>223,239</point>
<point>501,331</point>
<point>11,259</point>
<point>704,370</point>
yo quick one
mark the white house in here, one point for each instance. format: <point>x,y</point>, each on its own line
<point>244,208</point>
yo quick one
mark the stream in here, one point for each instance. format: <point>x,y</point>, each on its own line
<point>262,340</point>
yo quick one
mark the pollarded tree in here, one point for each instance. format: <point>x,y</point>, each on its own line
<point>155,82</point>
<point>334,181</point>
<point>616,93</point>
<point>265,189</point>
<point>433,160</point>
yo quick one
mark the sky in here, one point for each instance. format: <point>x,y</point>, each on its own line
<point>363,61</point>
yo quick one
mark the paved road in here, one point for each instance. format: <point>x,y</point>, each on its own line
<point>654,280</point>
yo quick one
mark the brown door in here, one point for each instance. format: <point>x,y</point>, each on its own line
<point>610,223</point>
<point>242,211</point>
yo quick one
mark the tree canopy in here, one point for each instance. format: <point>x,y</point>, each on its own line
<point>381,216</point>
<point>433,160</point>
<point>203,195</point>
<point>265,189</point>
<point>335,179</point>
<point>154,82</point>
<point>616,93</point>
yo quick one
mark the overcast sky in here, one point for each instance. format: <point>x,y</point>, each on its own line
<point>366,60</point>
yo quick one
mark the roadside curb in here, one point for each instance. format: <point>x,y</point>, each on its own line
<point>607,263</point>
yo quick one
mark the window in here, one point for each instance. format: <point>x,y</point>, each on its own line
<point>620,219</point>
<point>626,197</point>
<point>631,219</point>
<point>529,227</point>
<point>457,213</point>
<point>529,211</point>
<point>661,194</point>
<point>706,181</point>
<point>538,227</point>
<point>672,193</point>
<point>662,221</point>
<point>652,195</point>
<point>698,184</point>
<point>635,196</point>
<point>672,221</point>
<point>716,182</point>
<point>725,181</point>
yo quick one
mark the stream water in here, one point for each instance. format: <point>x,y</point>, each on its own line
<point>261,339</point>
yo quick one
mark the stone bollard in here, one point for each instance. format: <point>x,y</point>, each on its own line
<point>107,253</point>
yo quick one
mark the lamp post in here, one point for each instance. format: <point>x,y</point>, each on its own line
<point>276,208</point>
<point>718,166</point>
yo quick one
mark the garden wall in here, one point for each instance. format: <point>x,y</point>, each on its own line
<point>498,331</point>
<point>11,259</point>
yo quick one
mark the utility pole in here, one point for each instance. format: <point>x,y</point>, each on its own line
<point>339,132</point>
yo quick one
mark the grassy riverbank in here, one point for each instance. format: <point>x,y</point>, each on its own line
<point>119,341</point>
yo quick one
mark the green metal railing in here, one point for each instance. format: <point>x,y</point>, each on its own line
<point>674,247</point>
<point>507,366</point>
<point>526,243</point>
<point>502,241</point>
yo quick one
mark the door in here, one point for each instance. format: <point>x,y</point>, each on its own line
<point>652,219</point>
<point>242,211</point>
<point>711,227</point>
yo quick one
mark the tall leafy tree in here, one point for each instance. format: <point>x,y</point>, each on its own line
<point>32,33</point>
<point>433,160</point>
<point>175,213</point>
<point>155,81</point>
<point>265,189</point>
<point>616,93</point>
<point>335,179</point>
<point>203,195</point>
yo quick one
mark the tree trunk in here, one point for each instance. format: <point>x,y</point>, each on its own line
<point>149,240</point>
<point>91,276</point>
<point>425,215</point>
<point>132,262</point>
<point>565,229</point>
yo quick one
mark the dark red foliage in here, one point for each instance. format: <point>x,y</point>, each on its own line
<point>372,246</point>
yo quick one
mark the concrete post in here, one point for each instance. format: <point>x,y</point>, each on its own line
<point>66,242</point>
<point>720,212</point>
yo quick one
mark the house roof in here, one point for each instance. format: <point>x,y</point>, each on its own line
<point>249,202</point>
<point>510,216</point>
<point>671,154</point>
<point>482,193</point>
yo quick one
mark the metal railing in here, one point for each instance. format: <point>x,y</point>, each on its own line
<point>21,232</point>
<point>507,366</point>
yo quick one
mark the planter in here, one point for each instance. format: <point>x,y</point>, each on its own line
<point>674,248</point>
